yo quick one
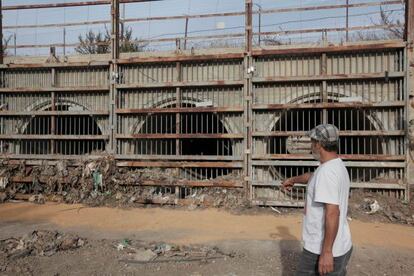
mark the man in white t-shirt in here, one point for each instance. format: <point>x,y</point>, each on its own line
<point>327,244</point>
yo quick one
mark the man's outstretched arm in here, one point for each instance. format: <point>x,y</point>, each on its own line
<point>302,179</point>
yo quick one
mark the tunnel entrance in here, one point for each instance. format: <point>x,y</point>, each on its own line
<point>190,123</point>
<point>64,125</point>
<point>344,119</point>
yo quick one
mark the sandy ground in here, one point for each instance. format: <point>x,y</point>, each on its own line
<point>265,243</point>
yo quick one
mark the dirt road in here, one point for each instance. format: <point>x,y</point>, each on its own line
<point>266,243</point>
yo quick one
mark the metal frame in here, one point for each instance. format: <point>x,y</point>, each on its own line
<point>151,110</point>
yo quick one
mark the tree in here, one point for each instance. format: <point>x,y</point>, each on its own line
<point>6,42</point>
<point>99,43</point>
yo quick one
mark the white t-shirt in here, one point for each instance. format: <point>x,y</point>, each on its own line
<point>329,184</point>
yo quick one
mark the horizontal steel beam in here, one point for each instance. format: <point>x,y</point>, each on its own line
<point>366,164</point>
<point>371,157</point>
<point>80,89</point>
<point>178,157</point>
<point>54,137</point>
<point>351,133</point>
<point>180,136</point>
<point>329,105</point>
<point>70,4</point>
<point>333,77</point>
<point>366,46</point>
<point>54,113</point>
<point>179,110</point>
<point>366,185</point>
<point>171,164</point>
<point>181,84</point>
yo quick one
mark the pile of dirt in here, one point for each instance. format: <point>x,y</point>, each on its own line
<point>369,206</point>
<point>161,252</point>
<point>39,243</point>
<point>100,182</point>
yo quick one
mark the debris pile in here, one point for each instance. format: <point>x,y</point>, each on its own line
<point>159,252</point>
<point>39,243</point>
<point>100,182</point>
<point>378,207</point>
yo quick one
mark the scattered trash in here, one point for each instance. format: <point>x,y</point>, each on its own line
<point>373,206</point>
<point>4,181</point>
<point>41,243</point>
<point>276,210</point>
<point>142,252</point>
<point>39,199</point>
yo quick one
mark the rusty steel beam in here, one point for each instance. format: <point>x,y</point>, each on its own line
<point>322,77</point>
<point>330,7</point>
<point>48,137</point>
<point>354,164</point>
<point>181,136</point>
<point>177,157</point>
<point>54,113</point>
<point>170,164</point>
<point>409,22</point>
<point>181,84</point>
<point>360,157</point>
<point>81,89</point>
<point>181,57</point>
<point>394,44</point>
<point>55,65</point>
<point>341,133</point>
<point>332,105</point>
<point>180,110</point>
<point>70,4</point>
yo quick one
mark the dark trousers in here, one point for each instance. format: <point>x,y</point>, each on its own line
<point>308,264</point>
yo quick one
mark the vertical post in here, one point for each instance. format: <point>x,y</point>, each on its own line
<point>113,71</point>
<point>178,120</point>
<point>247,91</point>
<point>1,33</point>
<point>53,108</point>
<point>324,94</point>
<point>64,41</point>
<point>347,21</point>
<point>15,44</point>
<point>186,32</point>
<point>409,87</point>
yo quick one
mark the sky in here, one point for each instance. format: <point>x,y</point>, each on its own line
<point>172,28</point>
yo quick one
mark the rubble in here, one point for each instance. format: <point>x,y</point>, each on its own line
<point>39,243</point>
<point>142,252</point>
<point>101,182</point>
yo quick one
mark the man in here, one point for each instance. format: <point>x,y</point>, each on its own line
<point>327,245</point>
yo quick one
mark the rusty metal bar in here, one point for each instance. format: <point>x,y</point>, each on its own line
<point>341,133</point>
<point>394,104</point>
<point>180,136</point>
<point>70,4</point>
<point>325,77</point>
<point>54,113</point>
<point>180,110</point>
<point>1,34</point>
<point>371,157</point>
<point>169,164</point>
<point>181,84</point>
<point>178,157</point>
<point>54,89</point>
<point>48,137</point>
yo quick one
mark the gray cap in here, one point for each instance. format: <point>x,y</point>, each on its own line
<point>325,133</point>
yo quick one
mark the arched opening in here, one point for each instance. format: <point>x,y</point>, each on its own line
<point>64,125</point>
<point>190,123</point>
<point>344,119</point>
